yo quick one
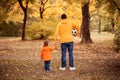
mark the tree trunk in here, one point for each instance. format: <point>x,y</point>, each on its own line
<point>24,23</point>
<point>113,24</point>
<point>85,24</point>
<point>41,13</point>
<point>99,25</point>
<point>25,17</point>
<point>42,7</point>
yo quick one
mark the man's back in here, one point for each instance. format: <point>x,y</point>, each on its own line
<point>64,30</point>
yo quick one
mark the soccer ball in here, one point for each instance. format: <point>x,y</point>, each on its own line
<point>74,32</point>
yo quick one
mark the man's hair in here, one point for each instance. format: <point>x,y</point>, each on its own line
<point>46,43</point>
<point>63,16</point>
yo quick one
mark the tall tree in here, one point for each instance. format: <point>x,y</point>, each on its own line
<point>85,27</point>
<point>24,8</point>
<point>25,16</point>
<point>42,7</point>
<point>111,7</point>
<point>117,33</point>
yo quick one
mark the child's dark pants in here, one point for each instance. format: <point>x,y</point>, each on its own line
<point>47,65</point>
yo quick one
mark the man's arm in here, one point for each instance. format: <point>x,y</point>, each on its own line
<point>56,33</point>
<point>78,29</point>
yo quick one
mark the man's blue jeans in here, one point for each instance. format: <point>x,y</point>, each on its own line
<point>69,46</point>
<point>47,65</point>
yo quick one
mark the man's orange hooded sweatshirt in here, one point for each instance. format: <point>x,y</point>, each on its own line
<point>46,53</point>
<point>64,31</point>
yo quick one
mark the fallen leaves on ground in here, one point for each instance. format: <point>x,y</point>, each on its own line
<point>19,60</point>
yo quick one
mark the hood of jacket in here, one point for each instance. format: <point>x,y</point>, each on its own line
<point>46,48</point>
<point>64,21</point>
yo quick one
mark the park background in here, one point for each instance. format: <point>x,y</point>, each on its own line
<point>24,24</point>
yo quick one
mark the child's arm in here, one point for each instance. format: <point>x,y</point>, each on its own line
<point>56,33</point>
<point>53,48</point>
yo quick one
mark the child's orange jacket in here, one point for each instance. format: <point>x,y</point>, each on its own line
<point>46,53</point>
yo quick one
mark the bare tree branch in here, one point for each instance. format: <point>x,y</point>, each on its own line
<point>45,2</point>
<point>49,7</point>
<point>20,2</point>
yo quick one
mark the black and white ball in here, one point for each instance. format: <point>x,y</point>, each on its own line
<point>74,32</point>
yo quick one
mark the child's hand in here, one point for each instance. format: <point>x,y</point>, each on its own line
<point>55,45</point>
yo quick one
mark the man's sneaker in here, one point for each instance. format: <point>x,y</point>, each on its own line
<point>62,68</point>
<point>72,68</point>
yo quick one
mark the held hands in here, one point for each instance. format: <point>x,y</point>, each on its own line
<point>55,45</point>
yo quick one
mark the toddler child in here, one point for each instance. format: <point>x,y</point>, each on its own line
<point>46,54</point>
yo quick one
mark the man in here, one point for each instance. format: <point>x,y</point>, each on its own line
<point>64,31</point>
